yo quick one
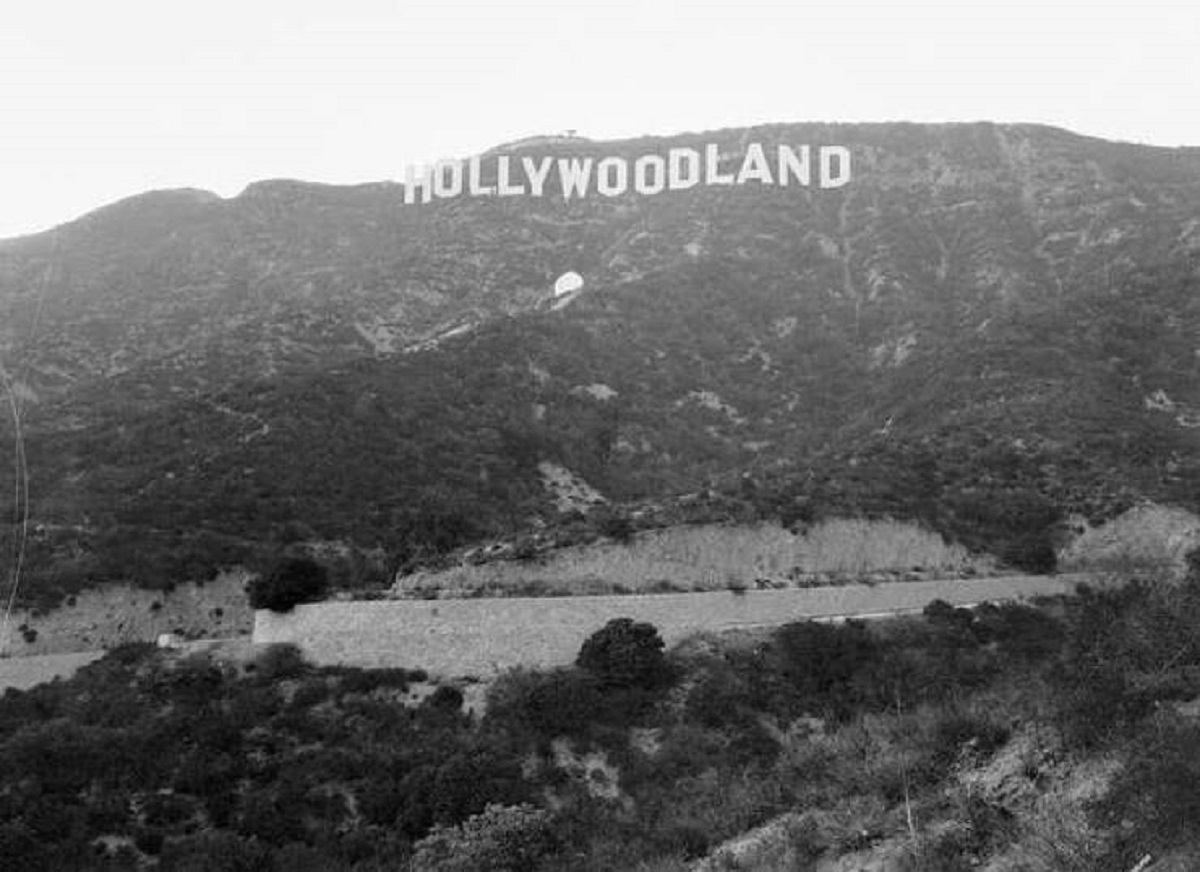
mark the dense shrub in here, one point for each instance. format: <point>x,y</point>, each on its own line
<point>1033,552</point>
<point>617,527</point>
<point>941,613</point>
<point>718,696</point>
<point>463,784</point>
<point>20,848</point>
<point>290,582</point>
<point>561,702</point>
<point>353,679</point>
<point>219,851</point>
<point>128,653</point>
<point>1016,522</point>
<point>957,729</point>
<point>446,698</point>
<point>1192,562</point>
<point>500,839</point>
<point>280,660</point>
<point>1022,631</point>
<point>269,817</point>
<point>1154,802</point>
<point>625,653</point>
<point>1123,649</point>
<point>819,662</point>
<point>525,549</point>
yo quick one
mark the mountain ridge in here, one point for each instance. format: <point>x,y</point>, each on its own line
<point>983,313</point>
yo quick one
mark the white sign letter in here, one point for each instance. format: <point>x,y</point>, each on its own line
<point>503,188</point>
<point>678,179</point>
<point>474,184</point>
<point>754,166</point>
<point>574,175</point>
<point>641,181</point>
<point>536,174</point>
<point>712,165</point>
<point>442,187</point>
<point>789,163</point>
<point>608,184</point>
<point>415,177</point>
<point>828,152</point>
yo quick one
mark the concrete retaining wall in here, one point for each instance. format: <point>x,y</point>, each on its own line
<point>481,636</point>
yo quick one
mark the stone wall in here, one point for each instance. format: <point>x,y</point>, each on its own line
<point>481,636</point>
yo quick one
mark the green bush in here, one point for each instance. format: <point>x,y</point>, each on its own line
<point>290,582</point>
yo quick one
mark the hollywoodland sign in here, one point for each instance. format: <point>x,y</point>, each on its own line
<point>680,168</point>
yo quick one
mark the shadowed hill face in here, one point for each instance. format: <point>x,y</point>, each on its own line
<point>979,307</point>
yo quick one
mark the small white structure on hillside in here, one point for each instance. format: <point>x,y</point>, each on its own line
<point>567,283</point>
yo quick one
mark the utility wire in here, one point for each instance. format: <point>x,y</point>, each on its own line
<point>20,502</point>
<point>16,406</point>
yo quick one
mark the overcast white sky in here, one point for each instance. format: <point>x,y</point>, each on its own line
<point>101,100</point>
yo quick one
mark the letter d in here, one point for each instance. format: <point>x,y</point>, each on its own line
<point>683,168</point>
<point>828,153</point>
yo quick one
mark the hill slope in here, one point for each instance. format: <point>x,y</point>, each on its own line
<point>987,327</point>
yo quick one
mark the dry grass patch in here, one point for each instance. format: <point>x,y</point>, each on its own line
<point>710,557</point>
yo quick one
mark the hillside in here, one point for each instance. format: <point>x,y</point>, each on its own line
<point>988,328</point>
<point>1012,737</point>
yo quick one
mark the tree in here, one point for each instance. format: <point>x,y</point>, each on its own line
<point>290,582</point>
<point>624,653</point>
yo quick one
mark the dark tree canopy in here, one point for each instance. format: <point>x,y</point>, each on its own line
<point>624,653</point>
<point>291,581</point>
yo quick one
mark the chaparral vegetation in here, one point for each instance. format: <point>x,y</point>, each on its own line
<point>1036,737</point>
